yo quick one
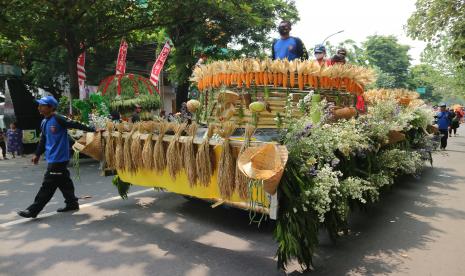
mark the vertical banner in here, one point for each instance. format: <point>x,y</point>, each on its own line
<point>121,62</point>
<point>81,72</point>
<point>158,65</point>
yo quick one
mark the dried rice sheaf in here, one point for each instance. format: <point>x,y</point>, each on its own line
<point>203,160</point>
<point>174,156</point>
<point>227,164</point>
<point>189,155</point>
<point>159,157</point>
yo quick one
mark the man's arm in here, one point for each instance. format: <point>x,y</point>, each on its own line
<point>68,123</point>
<point>301,50</point>
<point>272,49</point>
<point>41,147</point>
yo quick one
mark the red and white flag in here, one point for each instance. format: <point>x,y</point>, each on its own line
<point>81,71</point>
<point>158,65</point>
<point>121,62</point>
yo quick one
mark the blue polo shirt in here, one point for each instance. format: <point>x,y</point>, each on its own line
<point>54,139</point>
<point>285,48</point>
<point>443,120</point>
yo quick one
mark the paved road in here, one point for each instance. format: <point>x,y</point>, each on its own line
<point>417,229</point>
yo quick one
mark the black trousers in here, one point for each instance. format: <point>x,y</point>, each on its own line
<point>444,135</point>
<point>56,176</point>
<point>3,147</point>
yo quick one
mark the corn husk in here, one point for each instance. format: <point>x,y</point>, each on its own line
<point>174,154</point>
<point>189,155</point>
<point>227,165</point>
<point>241,179</point>
<point>203,160</point>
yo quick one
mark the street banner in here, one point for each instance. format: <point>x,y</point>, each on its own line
<point>121,62</point>
<point>81,71</point>
<point>158,65</point>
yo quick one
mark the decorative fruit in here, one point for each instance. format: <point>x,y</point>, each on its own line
<point>257,106</point>
<point>192,105</point>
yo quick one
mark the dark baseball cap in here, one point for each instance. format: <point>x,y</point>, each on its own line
<point>48,100</point>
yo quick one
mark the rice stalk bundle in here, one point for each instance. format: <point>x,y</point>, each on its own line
<point>174,158</point>
<point>110,147</point>
<point>147,150</point>
<point>203,160</point>
<point>189,155</point>
<point>227,164</point>
<point>119,152</point>
<point>128,165</point>
<point>159,157</point>
<point>136,149</point>
<point>241,179</point>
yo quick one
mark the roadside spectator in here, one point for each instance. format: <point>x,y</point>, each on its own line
<point>443,121</point>
<point>287,46</point>
<point>455,122</point>
<point>2,144</point>
<point>115,116</point>
<point>136,115</point>
<point>14,140</point>
<point>54,142</point>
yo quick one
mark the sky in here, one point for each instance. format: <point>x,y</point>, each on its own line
<point>358,19</point>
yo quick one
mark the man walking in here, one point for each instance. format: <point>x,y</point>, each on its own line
<point>54,142</point>
<point>444,120</point>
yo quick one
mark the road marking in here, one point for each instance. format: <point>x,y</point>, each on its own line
<point>19,221</point>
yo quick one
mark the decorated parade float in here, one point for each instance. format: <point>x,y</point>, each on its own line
<point>290,141</point>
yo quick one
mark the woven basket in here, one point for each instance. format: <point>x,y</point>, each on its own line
<point>395,137</point>
<point>344,112</point>
<point>91,145</point>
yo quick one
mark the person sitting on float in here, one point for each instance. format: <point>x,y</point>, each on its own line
<point>339,57</point>
<point>320,55</point>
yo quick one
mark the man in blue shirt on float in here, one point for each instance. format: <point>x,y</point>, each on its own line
<point>288,46</point>
<point>54,142</point>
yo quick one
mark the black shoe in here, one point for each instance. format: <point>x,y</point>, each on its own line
<point>68,208</point>
<point>27,214</point>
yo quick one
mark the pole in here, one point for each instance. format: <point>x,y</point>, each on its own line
<point>324,40</point>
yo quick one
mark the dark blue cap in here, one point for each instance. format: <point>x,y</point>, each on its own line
<point>320,48</point>
<point>48,100</point>
<point>442,104</point>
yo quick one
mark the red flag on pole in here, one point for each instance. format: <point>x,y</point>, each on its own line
<point>158,65</point>
<point>81,71</point>
<point>121,62</point>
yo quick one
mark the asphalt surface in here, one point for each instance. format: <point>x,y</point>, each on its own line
<point>418,228</point>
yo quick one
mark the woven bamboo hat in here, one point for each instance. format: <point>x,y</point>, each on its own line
<point>90,145</point>
<point>265,163</point>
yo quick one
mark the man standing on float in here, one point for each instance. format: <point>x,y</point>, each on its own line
<point>288,46</point>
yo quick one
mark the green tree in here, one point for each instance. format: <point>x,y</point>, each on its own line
<point>202,24</point>
<point>67,24</point>
<point>99,24</point>
<point>385,53</point>
<point>435,20</point>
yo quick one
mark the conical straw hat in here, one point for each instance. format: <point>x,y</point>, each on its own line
<point>91,146</point>
<point>265,163</point>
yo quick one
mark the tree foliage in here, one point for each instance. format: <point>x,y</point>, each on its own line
<point>385,53</point>
<point>100,24</point>
<point>435,20</point>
